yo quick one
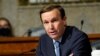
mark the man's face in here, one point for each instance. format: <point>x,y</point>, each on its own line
<point>53,23</point>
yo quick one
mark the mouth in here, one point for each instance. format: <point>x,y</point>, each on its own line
<point>53,33</point>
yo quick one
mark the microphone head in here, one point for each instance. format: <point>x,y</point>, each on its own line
<point>82,22</point>
<point>29,32</point>
<point>33,50</point>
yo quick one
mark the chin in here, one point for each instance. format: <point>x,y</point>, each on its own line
<point>53,37</point>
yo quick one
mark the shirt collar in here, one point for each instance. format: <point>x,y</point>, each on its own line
<point>57,40</point>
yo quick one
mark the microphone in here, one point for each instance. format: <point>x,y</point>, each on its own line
<point>32,50</point>
<point>29,32</point>
<point>82,22</point>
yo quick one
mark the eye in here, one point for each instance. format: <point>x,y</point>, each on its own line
<point>45,22</point>
<point>54,20</point>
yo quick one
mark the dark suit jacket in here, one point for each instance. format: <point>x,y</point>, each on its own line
<point>73,41</point>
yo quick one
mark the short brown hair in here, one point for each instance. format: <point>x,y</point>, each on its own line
<point>51,7</point>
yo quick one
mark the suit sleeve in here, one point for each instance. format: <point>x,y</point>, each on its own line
<point>81,46</point>
<point>38,50</point>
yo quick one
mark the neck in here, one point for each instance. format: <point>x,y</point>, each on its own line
<point>61,34</point>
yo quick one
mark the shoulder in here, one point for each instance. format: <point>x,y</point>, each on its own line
<point>76,33</point>
<point>45,38</point>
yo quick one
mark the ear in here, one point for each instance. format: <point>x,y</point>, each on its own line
<point>64,20</point>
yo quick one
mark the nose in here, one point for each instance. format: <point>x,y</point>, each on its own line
<point>51,25</point>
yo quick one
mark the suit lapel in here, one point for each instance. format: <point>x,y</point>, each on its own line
<point>50,47</point>
<point>65,43</point>
<point>65,49</point>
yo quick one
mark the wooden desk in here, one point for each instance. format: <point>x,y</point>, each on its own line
<point>18,46</point>
<point>94,37</point>
<point>22,46</point>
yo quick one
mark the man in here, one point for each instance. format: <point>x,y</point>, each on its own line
<point>70,40</point>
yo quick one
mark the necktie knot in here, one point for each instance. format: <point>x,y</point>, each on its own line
<point>57,44</point>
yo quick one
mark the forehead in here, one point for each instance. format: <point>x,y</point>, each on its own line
<point>52,11</point>
<point>3,22</point>
<point>49,14</point>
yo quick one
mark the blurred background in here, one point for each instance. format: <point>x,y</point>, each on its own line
<point>24,16</point>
